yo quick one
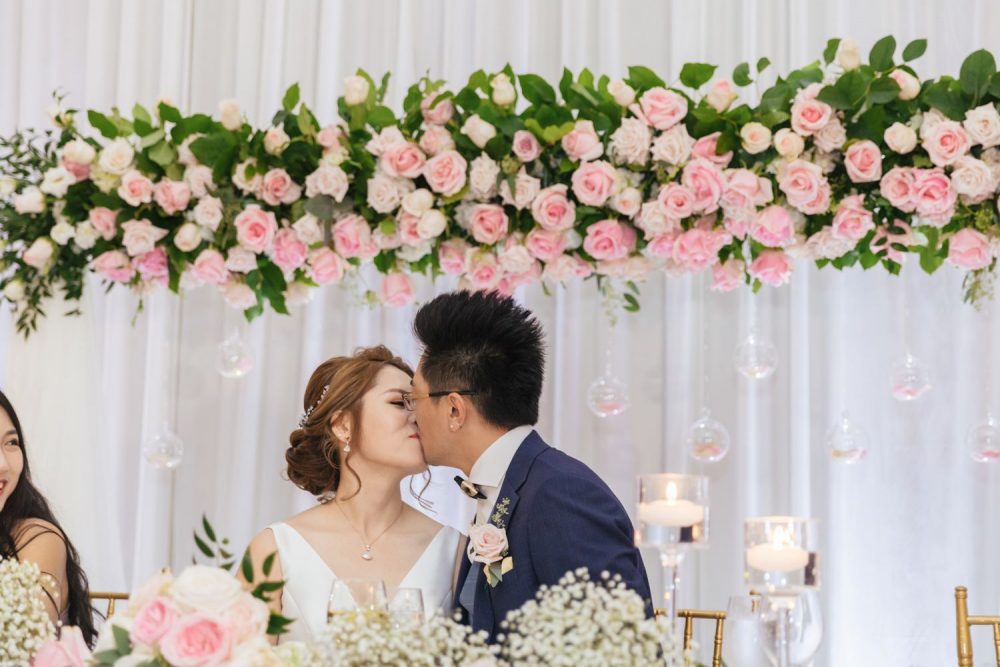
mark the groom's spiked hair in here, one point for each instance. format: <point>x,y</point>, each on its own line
<point>485,342</point>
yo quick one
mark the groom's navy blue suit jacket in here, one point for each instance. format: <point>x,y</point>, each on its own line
<point>560,516</point>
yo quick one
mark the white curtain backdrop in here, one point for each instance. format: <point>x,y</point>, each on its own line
<point>899,529</point>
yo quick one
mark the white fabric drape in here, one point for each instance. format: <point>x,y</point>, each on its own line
<point>899,529</point>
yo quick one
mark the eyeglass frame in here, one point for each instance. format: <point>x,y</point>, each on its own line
<point>409,398</point>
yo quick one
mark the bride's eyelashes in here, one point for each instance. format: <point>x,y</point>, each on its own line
<point>398,404</point>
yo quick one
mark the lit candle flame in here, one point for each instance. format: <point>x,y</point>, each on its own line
<point>782,538</point>
<point>671,491</point>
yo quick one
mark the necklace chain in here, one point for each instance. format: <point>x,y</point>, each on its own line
<point>367,552</point>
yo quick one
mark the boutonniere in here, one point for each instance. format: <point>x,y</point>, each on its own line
<point>489,545</point>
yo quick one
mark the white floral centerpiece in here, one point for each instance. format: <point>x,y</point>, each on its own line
<point>24,623</point>
<point>582,623</point>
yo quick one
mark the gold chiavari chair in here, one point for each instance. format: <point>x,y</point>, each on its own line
<point>964,624</point>
<point>689,616</point>
<point>110,598</point>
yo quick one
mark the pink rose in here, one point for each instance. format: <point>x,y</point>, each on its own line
<point>582,142</point>
<point>445,173</point>
<point>451,255</point>
<point>329,136</point>
<point>697,248</point>
<point>402,160</point>
<point>172,196</point>
<point>772,267</point>
<point>239,295</point>
<point>105,221</point>
<point>255,228</point>
<point>436,139</point>
<point>934,196</point>
<point>526,188</point>
<point>210,267</point>
<point>544,244</point>
<point>737,226</point>
<point>947,142</point>
<point>773,227</point>
<point>704,180</point>
<point>135,189</point>
<point>279,188</point>
<point>247,617</point>
<point>898,186</point>
<point>68,651</point>
<point>241,260</point>
<point>488,223</point>
<point>352,237</point>
<point>553,210</point>
<point>676,201</point>
<point>152,266</point>
<point>288,251</point>
<point>864,162</point>
<point>565,268</point>
<point>969,249</point>
<point>152,622</point>
<point>196,640</point>
<point>809,115</point>
<point>744,190</point>
<point>396,290</point>
<point>728,276</point>
<point>594,182</point>
<point>526,146</point>
<point>852,220</point>
<point>489,543</point>
<point>706,148</point>
<point>663,108</point>
<point>608,240</point>
<point>141,236</point>
<point>662,245</point>
<point>326,266</point>
<point>327,180</point>
<point>806,187</point>
<point>79,171</point>
<point>484,272</point>
<point>440,113</point>
<point>114,265</point>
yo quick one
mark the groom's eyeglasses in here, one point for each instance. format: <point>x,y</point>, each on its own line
<point>410,399</point>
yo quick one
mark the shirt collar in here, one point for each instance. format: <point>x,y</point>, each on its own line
<point>491,466</point>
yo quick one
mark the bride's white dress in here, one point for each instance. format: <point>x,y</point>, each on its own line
<point>308,579</point>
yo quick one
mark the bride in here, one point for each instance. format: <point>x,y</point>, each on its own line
<point>355,443</point>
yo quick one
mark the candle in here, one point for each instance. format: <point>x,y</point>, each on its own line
<point>779,555</point>
<point>670,511</point>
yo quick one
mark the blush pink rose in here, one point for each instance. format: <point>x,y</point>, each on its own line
<point>326,266</point>
<point>864,162</point>
<point>238,295</point>
<point>79,171</point>
<point>352,237</point>
<point>663,108</point>
<point>969,249</point>
<point>114,265</point>
<point>594,182</point>
<point>288,251</point>
<point>489,543</point>
<point>662,245</point>
<point>743,190</point>
<point>135,189</point>
<point>544,244</point>
<point>255,228</point>
<point>70,650</point>
<point>140,236</point>
<point>704,180</point>
<point>946,142</point>
<point>697,248</point>
<point>172,196</point>
<point>934,196</point>
<point>609,240</point>
<point>676,201</point>
<point>852,221</point>
<point>436,139</point>
<point>728,276</point>
<point>210,267</point>
<point>452,255</point>
<point>772,267</point>
<point>772,227</point>
<point>152,622</point>
<point>440,113</point>
<point>484,272</point>
<point>809,115</point>
<point>105,221</point>
<point>329,136</point>
<point>526,146</point>
<point>737,226</point>
<point>706,148</point>
<point>396,290</point>
<point>567,267</point>
<point>488,223</point>
<point>152,266</point>
<point>553,210</point>
<point>403,160</point>
<point>445,172</point>
<point>582,142</point>
<point>196,640</point>
<point>805,187</point>
<point>279,188</point>
<point>898,186</point>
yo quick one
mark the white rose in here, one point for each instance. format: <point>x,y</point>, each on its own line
<point>383,193</point>
<point>418,202</point>
<point>327,180</point>
<point>415,253</point>
<point>756,138</point>
<point>39,254</point>
<point>389,136</point>
<point>240,179</point>
<point>208,212</point>
<point>831,137</point>
<point>478,130</point>
<point>623,93</point>
<point>199,179</point>
<point>296,294</point>
<point>188,237</point>
<point>31,200</point>
<point>356,90</point>
<point>630,142</point>
<point>909,85</point>
<point>515,259</point>
<point>721,95</point>
<point>7,186</point>
<point>79,151</point>
<point>973,179</point>
<point>788,144</point>
<point>230,114</point>
<point>983,125</point>
<point>334,155</point>
<point>900,138</point>
<point>14,291</point>
<point>673,146</point>
<point>483,172</point>
<point>526,188</point>
<point>86,236</point>
<point>57,181</point>
<point>431,224</point>
<point>203,588</point>
<point>848,54</point>
<point>276,140</point>
<point>573,239</point>
<point>929,120</point>
<point>308,229</point>
<point>116,157</point>
<point>62,232</point>
<point>503,91</point>
<point>627,202</point>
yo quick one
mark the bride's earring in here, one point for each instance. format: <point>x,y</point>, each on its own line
<point>347,445</point>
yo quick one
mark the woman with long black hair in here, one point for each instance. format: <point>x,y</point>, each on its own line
<point>29,531</point>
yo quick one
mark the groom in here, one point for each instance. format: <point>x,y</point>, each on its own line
<point>540,513</point>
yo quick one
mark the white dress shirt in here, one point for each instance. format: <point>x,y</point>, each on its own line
<point>490,468</point>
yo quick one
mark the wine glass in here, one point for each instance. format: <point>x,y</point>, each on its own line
<point>804,632</point>
<point>743,633</point>
<point>351,596</point>
<point>406,609</point>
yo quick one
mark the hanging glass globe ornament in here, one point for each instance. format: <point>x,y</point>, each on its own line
<point>164,450</point>
<point>234,358</point>
<point>607,396</point>
<point>983,441</point>
<point>846,441</point>
<point>755,359</point>
<point>910,379</point>
<point>708,439</point>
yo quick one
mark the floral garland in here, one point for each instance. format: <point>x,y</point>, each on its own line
<point>841,162</point>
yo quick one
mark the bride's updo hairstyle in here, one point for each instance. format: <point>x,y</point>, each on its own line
<point>315,459</point>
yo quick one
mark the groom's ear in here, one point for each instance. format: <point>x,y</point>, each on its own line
<point>458,411</point>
